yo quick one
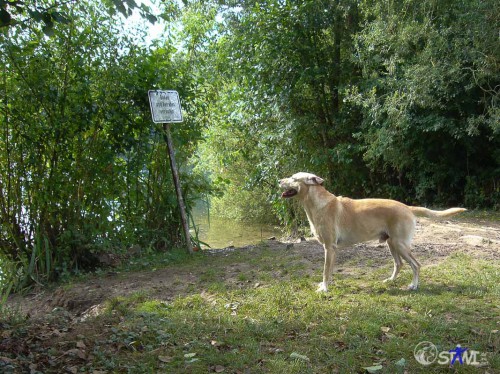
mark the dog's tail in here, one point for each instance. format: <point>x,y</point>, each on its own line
<point>424,212</point>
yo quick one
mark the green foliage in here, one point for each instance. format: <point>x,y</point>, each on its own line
<point>83,171</point>
<point>381,98</point>
<point>277,103</point>
<point>428,99</point>
<point>48,13</point>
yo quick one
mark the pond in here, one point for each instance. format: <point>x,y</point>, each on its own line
<point>222,233</point>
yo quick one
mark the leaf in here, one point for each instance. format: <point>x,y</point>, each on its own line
<point>165,359</point>
<point>189,355</point>
<point>76,352</point>
<point>121,8</point>
<point>340,345</point>
<point>131,3</point>
<point>373,369</point>
<point>80,345</point>
<point>6,360</point>
<point>298,356</point>
<point>385,329</point>
<point>5,17</point>
<point>60,17</point>
<point>401,362</point>
<point>219,368</point>
<point>151,18</point>
<point>48,29</point>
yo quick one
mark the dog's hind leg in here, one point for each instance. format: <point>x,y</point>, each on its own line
<point>398,263</point>
<point>403,248</point>
<point>330,254</point>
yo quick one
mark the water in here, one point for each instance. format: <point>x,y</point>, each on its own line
<point>222,233</point>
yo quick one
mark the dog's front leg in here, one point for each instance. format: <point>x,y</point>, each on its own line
<point>330,254</point>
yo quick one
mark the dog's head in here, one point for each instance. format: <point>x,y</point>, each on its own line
<point>298,184</point>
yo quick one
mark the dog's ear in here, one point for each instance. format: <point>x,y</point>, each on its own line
<point>315,181</point>
<point>319,180</point>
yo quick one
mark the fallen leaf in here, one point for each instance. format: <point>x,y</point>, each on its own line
<point>385,329</point>
<point>189,355</point>
<point>373,369</point>
<point>165,359</point>
<point>401,362</point>
<point>56,332</point>
<point>76,352</point>
<point>80,345</point>
<point>72,370</point>
<point>232,306</point>
<point>219,368</point>
<point>274,350</point>
<point>340,345</point>
<point>298,356</point>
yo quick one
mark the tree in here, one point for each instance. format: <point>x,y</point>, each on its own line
<point>382,98</point>
<point>429,97</point>
<point>282,68</point>
<point>50,12</point>
<point>83,171</point>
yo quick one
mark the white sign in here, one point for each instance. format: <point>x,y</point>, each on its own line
<point>165,106</point>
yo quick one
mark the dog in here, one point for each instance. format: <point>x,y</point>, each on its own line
<point>337,222</point>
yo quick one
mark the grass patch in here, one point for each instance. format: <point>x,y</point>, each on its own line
<point>283,326</point>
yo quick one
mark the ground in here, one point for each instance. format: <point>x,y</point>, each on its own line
<point>96,323</point>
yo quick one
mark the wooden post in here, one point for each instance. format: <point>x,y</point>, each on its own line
<point>180,199</point>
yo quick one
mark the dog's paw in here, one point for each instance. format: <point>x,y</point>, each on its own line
<point>412,287</point>
<point>322,287</point>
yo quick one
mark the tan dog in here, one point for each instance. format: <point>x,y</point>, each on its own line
<point>338,222</point>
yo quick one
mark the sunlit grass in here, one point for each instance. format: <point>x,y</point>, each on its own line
<point>282,325</point>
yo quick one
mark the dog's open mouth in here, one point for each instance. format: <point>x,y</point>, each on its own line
<point>289,193</point>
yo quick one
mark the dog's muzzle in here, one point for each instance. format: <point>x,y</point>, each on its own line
<point>289,192</point>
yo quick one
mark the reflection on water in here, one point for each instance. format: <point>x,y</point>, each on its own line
<point>222,233</point>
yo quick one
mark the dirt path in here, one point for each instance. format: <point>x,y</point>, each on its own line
<point>434,241</point>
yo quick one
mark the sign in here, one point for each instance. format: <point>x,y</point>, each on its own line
<point>165,106</point>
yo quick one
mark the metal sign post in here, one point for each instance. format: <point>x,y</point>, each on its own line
<point>166,109</point>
